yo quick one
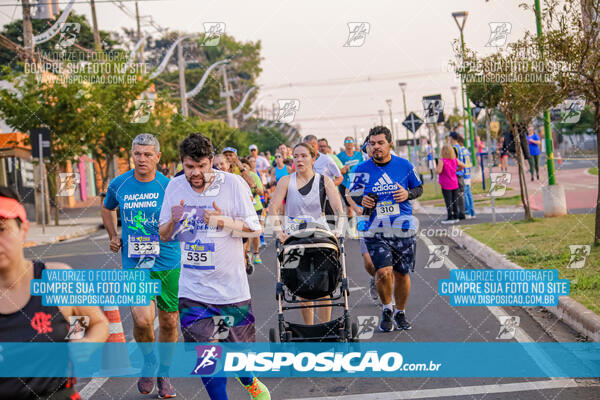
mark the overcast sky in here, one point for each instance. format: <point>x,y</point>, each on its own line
<point>303,43</point>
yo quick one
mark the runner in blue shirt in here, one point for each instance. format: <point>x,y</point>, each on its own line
<point>387,183</point>
<point>534,151</point>
<point>350,159</point>
<point>139,195</point>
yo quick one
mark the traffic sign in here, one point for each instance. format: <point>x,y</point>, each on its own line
<point>412,122</point>
<point>34,136</point>
<point>433,109</point>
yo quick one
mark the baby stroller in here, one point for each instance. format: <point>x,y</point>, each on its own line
<point>311,265</point>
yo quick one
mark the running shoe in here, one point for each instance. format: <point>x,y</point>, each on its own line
<point>257,259</point>
<point>401,322</point>
<point>387,322</point>
<point>373,290</point>
<point>165,389</point>
<point>249,264</point>
<point>449,221</point>
<point>145,385</point>
<point>257,390</point>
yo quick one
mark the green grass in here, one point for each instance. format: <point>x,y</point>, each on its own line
<point>500,201</point>
<point>593,170</point>
<point>544,244</point>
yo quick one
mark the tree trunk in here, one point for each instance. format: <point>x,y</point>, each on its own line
<point>597,128</point>
<point>522,178</point>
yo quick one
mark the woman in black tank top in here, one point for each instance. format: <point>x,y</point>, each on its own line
<point>23,318</point>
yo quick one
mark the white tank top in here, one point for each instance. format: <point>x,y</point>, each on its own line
<point>299,208</point>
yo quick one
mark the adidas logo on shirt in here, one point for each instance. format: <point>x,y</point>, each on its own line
<point>384,183</point>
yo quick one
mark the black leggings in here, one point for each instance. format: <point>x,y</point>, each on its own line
<point>451,200</point>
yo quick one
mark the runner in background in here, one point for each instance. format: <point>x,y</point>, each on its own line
<point>213,285</point>
<point>534,142</point>
<point>262,164</point>
<point>280,169</point>
<point>253,245</point>
<point>139,194</point>
<point>350,159</point>
<point>221,163</point>
<point>24,319</point>
<point>324,165</point>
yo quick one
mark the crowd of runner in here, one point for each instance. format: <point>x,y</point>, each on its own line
<point>363,192</point>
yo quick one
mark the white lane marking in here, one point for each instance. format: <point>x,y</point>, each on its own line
<point>357,288</point>
<point>96,383</point>
<point>92,387</point>
<point>542,359</point>
<point>455,391</point>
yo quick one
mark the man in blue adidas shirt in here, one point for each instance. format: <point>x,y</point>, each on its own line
<point>390,236</point>
<point>139,195</point>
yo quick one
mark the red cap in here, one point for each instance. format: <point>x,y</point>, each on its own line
<point>11,208</point>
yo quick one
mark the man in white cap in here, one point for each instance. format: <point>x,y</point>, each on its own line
<point>262,164</point>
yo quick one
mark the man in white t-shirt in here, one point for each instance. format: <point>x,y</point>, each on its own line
<point>208,211</point>
<point>262,164</point>
<point>324,165</point>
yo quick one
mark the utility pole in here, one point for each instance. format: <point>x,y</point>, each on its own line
<point>181,66</point>
<point>97,41</point>
<point>355,136</point>
<point>403,88</point>
<point>139,34</point>
<point>380,116</point>
<point>389,103</point>
<point>27,30</point>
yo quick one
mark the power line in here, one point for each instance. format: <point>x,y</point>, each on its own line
<point>342,81</point>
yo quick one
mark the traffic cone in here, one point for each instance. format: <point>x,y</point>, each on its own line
<point>558,158</point>
<point>115,358</point>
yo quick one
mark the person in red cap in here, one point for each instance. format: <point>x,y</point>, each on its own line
<point>23,318</point>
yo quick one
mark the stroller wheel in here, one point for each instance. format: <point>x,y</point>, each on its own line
<point>272,335</point>
<point>287,336</point>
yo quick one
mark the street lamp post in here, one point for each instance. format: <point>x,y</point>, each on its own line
<point>547,128</point>
<point>380,116</point>
<point>460,17</point>
<point>403,88</point>
<point>389,104</point>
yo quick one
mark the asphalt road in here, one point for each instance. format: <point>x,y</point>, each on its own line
<point>433,319</point>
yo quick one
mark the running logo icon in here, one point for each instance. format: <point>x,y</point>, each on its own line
<point>358,182</point>
<point>77,326</point>
<point>207,359</point>
<point>579,254</point>
<point>292,257</point>
<point>437,255</point>
<point>68,34</point>
<point>366,326</point>
<point>287,110</point>
<point>68,183</point>
<point>143,109</point>
<point>508,327</point>
<point>499,181</point>
<point>571,110</point>
<point>432,108</point>
<point>222,325</point>
<point>357,33</point>
<point>499,32</point>
<point>212,33</point>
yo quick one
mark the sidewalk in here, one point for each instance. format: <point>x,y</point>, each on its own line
<point>73,223</point>
<point>581,189</point>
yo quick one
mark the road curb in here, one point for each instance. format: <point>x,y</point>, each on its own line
<point>60,238</point>
<point>418,208</point>
<point>573,313</point>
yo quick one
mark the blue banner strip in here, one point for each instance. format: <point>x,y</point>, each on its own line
<point>305,359</point>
